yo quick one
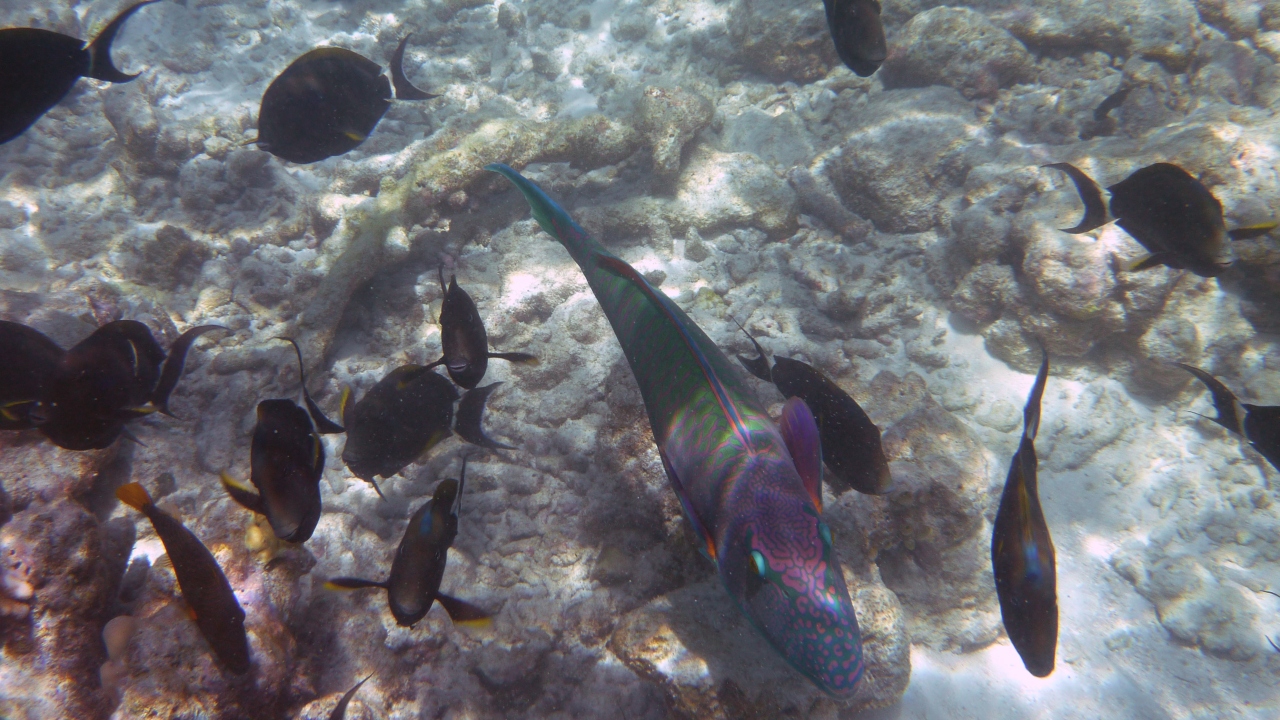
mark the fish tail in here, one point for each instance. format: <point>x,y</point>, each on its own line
<point>1224,401</point>
<point>1031,413</point>
<point>464,613</point>
<point>551,216</point>
<point>1095,210</point>
<point>100,65</point>
<point>405,89</point>
<point>350,583</point>
<point>759,366</point>
<point>134,495</point>
<point>470,417</point>
<point>174,364</point>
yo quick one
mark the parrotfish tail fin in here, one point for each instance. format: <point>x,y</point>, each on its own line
<point>516,357</point>
<point>470,415</point>
<point>800,433</point>
<point>133,495</point>
<point>1031,413</point>
<point>404,89</point>
<point>345,404</point>
<point>550,216</point>
<point>174,364</point>
<point>350,583</point>
<point>464,613</point>
<point>100,65</point>
<point>245,497</point>
<point>324,425</point>
<point>1095,211</point>
<point>708,546</point>
<point>758,366</point>
<point>1252,231</point>
<point>1146,262</point>
<point>1224,401</point>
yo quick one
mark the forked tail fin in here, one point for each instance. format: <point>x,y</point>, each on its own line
<point>100,65</point>
<point>1224,401</point>
<point>1095,211</point>
<point>405,89</point>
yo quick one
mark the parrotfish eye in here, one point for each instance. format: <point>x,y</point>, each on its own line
<point>757,560</point>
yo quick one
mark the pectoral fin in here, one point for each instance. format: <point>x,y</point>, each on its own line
<point>1147,262</point>
<point>800,432</point>
<point>464,613</point>
<point>243,495</point>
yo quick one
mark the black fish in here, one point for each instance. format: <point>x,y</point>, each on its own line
<point>324,425</point>
<point>858,34</point>
<point>111,377</point>
<point>1022,555</point>
<point>340,710</point>
<point>1169,212</point>
<point>470,415</point>
<point>327,102</point>
<point>286,460</point>
<point>397,421</point>
<point>1260,424</point>
<point>419,564</point>
<point>204,587</point>
<point>463,338</point>
<point>850,441</point>
<point>27,361</point>
<point>38,68</point>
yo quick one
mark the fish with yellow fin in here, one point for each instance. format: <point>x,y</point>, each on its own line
<point>418,567</point>
<point>205,588</point>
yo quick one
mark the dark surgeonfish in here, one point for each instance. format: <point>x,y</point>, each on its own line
<point>115,375</point>
<point>340,710</point>
<point>38,68</point>
<point>1022,554</point>
<point>464,341</point>
<point>286,460</point>
<point>1260,424</point>
<point>204,587</point>
<point>419,563</point>
<point>329,101</point>
<point>27,361</point>
<point>858,34</point>
<point>1169,212</point>
<point>404,416</point>
<point>851,445</point>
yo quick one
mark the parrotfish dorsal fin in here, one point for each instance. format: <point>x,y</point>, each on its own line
<point>759,366</point>
<point>324,425</point>
<point>708,547</point>
<point>100,65</point>
<point>1031,413</point>
<point>1095,210</point>
<point>404,89</point>
<point>1224,401</point>
<point>800,432</point>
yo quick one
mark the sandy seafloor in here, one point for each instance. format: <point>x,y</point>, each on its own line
<point>874,227</point>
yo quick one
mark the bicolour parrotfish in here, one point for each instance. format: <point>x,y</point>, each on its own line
<point>38,68</point>
<point>851,445</point>
<point>1259,424</point>
<point>327,102</point>
<point>340,710</point>
<point>1169,212</point>
<point>117,374</point>
<point>464,341</point>
<point>751,490</point>
<point>418,567</point>
<point>286,461</point>
<point>1022,554</point>
<point>217,612</point>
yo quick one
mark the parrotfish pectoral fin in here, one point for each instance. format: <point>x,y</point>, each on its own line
<point>1224,401</point>
<point>464,613</point>
<point>1095,210</point>
<point>800,432</point>
<point>100,65</point>
<point>350,583</point>
<point>708,546</point>
<point>1252,231</point>
<point>759,366</point>
<point>243,495</point>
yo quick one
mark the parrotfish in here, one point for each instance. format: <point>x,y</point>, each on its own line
<point>851,445</point>
<point>286,461</point>
<point>38,68</point>
<point>327,102</point>
<point>464,339</point>
<point>27,360</point>
<point>858,34</point>
<point>340,710</point>
<point>419,563</point>
<point>751,490</point>
<point>115,375</point>
<point>217,612</point>
<point>1022,554</point>
<point>1169,212</point>
<point>1260,424</point>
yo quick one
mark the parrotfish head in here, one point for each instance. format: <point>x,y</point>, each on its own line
<point>776,560</point>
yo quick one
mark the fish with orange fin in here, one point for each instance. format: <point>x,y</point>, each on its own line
<point>463,337</point>
<point>1259,424</point>
<point>205,588</point>
<point>418,567</point>
<point>1022,555</point>
<point>286,460</point>
<point>1169,212</point>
